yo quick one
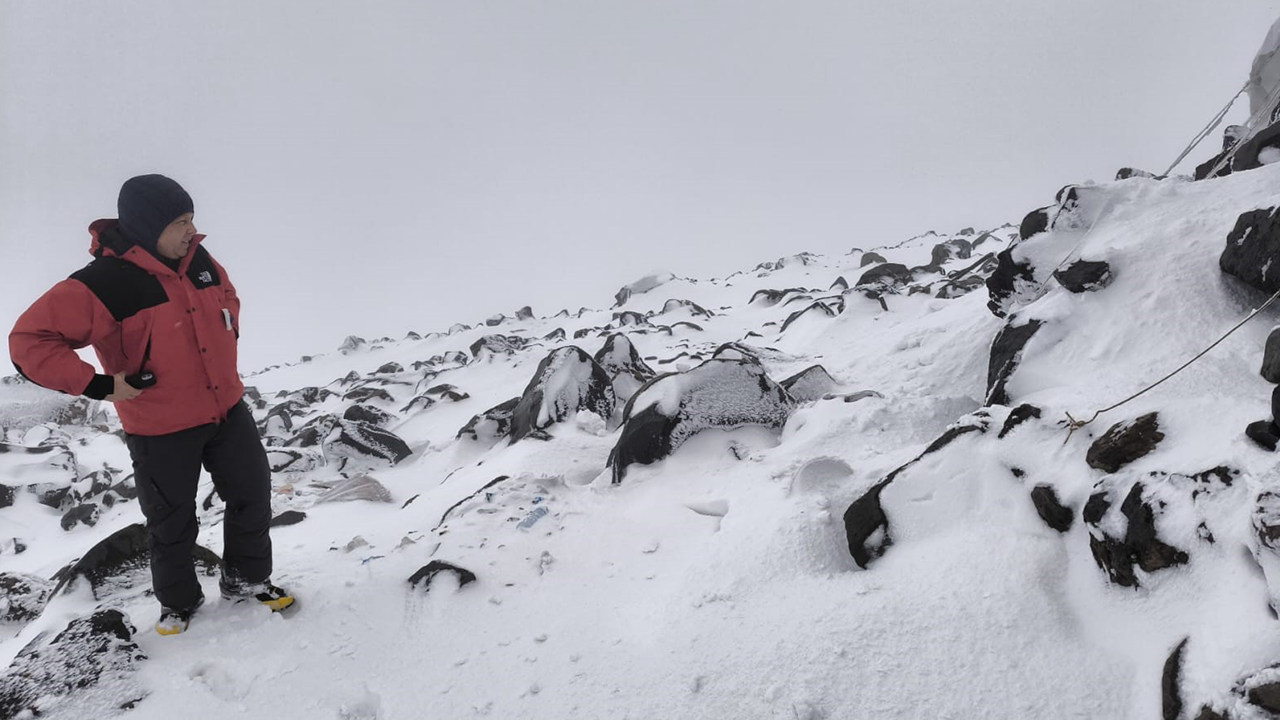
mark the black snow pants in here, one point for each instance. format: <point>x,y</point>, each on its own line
<point>167,470</point>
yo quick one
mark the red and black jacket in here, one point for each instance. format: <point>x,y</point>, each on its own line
<point>138,313</point>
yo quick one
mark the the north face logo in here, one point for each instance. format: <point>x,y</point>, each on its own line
<point>205,277</point>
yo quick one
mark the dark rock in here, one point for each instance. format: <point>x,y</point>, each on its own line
<point>495,320</point>
<point>579,334</point>
<point>288,517</point>
<point>365,394</point>
<point>817,309</point>
<point>867,527</point>
<point>1139,547</point>
<point>870,259</point>
<point>1208,713</point>
<point>389,369</point>
<point>1006,354</point>
<point>86,513</point>
<point>628,318</point>
<point>1265,433</point>
<point>673,407</point>
<point>445,391</point>
<point>524,313</point>
<point>498,345</point>
<point>22,597</point>
<point>421,402</point>
<point>368,414</point>
<point>556,335</point>
<point>285,412</point>
<point>1171,682</point>
<point>839,284</point>
<point>1017,416</point>
<point>1271,358</point>
<point>1085,276</point>
<point>1009,280</point>
<point>1252,246</point>
<point>1267,697</point>
<point>1266,519</point>
<point>283,459</point>
<point>622,362</point>
<point>359,440</point>
<point>93,650</point>
<point>50,495</point>
<point>492,424</point>
<point>427,573</point>
<point>566,381</point>
<point>773,297</point>
<point>810,384</point>
<point>1035,222</point>
<point>1125,442</point>
<point>1125,173</point>
<point>123,560</point>
<point>351,344</point>
<point>7,494</point>
<point>1054,513</point>
<point>643,285</point>
<point>693,307</point>
<point>887,275</point>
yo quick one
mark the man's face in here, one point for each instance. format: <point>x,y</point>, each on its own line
<point>175,241</point>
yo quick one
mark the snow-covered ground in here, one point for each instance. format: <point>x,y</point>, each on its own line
<point>719,582</point>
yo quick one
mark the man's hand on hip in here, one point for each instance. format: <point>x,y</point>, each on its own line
<point>123,390</point>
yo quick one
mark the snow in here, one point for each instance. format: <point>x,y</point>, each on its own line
<point>718,582</point>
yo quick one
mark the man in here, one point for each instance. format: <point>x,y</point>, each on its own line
<point>163,318</point>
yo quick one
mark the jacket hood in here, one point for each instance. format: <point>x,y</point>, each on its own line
<point>107,239</point>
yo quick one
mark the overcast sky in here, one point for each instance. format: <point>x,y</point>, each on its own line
<point>370,168</point>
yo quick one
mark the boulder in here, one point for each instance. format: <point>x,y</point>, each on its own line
<point>643,285</point>
<point>1006,353</point>
<point>629,318</point>
<point>495,320</point>
<point>871,259</point>
<point>421,402</point>
<point>1010,280</point>
<point>1035,222</point>
<point>7,494</point>
<point>1051,510</point>
<point>492,345</point>
<point>694,308</point>
<point>1125,442</point>
<point>288,517</point>
<point>368,414</point>
<point>1266,433</point>
<point>356,440</point>
<point>22,597</point>
<point>427,573</point>
<point>1271,358</point>
<point>1252,246</point>
<point>122,561</point>
<point>556,335</point>
<point>84,513</point>
<point>816,309</point>
<point>91,651</point>
<point>1017,416</point>
<point>810,384</point>
<point>293,460</point>
<point>492,424</point>
<point>1139,546</point>
<point>867,527</point>
<point>365,394</point>
<point>839,285</point>
<point>886,275</point>
<point>622,362</point>
<point>359,487</point>
<point>524,313</point>
<point>389,369</point>
<point>671,408</point>
<point>1084,276</point>
<point>351,344</point>
<point>1171,683</point>
<point>445,391</point>
<point>566,381</point>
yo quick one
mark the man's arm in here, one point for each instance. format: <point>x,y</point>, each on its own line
<point>43,342</point>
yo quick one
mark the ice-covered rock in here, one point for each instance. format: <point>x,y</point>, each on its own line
<point>88,665</point>
<point>1125,442</point>
<point>622,362</point>
<point>566,381</point>
<point>492,424</point>
<point>643,285</point>
<point>122,561</point>
<point>671,408</point>
<point>810,384</point>
<point>359,487</point>
<point>1006,353</point>
<point>22,597</point>
<point>428,572</point>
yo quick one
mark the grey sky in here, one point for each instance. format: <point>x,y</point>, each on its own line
<point>377,167</point>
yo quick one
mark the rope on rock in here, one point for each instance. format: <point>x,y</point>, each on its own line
<point>1208,129</point>
<point>1075,425</point>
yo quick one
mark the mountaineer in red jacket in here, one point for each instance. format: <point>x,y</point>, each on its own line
<point>163,318</point>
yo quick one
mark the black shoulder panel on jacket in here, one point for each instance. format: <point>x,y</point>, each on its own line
<point>122,286</point>
<point>202,272</point>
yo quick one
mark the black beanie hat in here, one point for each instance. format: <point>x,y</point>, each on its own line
<point>147,204</point>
